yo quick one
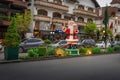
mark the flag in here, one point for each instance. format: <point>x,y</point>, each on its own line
<point>106,17</point>
<point>111,25</point>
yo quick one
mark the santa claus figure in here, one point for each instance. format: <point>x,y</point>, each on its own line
<point>71,32</point>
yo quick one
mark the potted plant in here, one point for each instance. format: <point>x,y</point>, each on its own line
<point>12,41</point>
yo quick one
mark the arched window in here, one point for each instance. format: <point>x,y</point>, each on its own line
<point>80,19</point>
<point>58,1</point>
<point>90,9</point>
<point>42,12</point>
<point>90,20</point>
<point>56,15</point>
<point>81,7</point>
<point>67,17</point>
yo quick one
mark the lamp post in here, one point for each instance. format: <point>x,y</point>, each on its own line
<point>103,32</point>
<point>52,35</point>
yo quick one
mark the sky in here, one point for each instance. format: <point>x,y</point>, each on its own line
<point>104,2</point>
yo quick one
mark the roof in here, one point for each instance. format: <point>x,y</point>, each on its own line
<point>96,3</point>
<point>111,11</point>
<point>115,1</point>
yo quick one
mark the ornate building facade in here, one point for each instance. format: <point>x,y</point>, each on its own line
<point>50,15</point>
<point>9,8</point>
<point>114,17</point>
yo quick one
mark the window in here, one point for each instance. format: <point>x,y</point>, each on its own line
<point>90,9</point>
<point>58,1</point>
<point>81,7</point>
<point>56,15</point>
<point>67,17</point>
<point>42,12</point>
<point>90,20</point>
<point>80,19</point>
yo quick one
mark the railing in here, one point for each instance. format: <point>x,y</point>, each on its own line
<point>20,3</point>
<point>51,5</point>
<point>42,18</point>
<point>59,20</point>
<point>5,22</point>
<point>3,9</point>
<point>81,23</point>
<point>89,13</point>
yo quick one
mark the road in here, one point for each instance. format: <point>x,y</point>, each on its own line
<point>102,67</point>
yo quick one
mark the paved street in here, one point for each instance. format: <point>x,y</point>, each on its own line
<point>102,67</point>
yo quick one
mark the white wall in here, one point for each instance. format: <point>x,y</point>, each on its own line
<point>88,3</point>
<point>116,5</point>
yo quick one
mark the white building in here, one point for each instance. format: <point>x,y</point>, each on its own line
<point>114,17</point>
<point>50,15</point>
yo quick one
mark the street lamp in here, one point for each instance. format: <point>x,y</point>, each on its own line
<point>52,35</point>
<point>103,34</point>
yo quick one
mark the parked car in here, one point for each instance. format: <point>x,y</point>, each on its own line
<point>115,43</point>
<point>58,43</point>
<point>88,42</point>
<point>30,43</point>
<point>101,44</point>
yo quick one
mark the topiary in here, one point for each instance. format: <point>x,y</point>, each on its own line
<point>12,38</point>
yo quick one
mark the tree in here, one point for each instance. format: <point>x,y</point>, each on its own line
<point>23,21</point>
<point>12,38</point>
<point>109,32</point>
<point>12,41</point>
<point>105,21</point>
<point>90,28</point>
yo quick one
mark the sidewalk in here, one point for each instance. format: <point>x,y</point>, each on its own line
<point>3,60</point>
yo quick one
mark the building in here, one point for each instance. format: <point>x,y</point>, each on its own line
<point>9,8</point>
<point>50,15</point>
<point>114,17</point>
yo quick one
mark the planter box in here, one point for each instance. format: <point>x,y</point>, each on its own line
<point>73,51</point>
<point>11,53</point>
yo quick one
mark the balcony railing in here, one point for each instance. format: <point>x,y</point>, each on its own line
<point>59,20</point>
<point>42,18</point>
<point>81,23</point>
<point>6,0</point>
<point>83,12</point>
<point>4,22</point>
<point>51,5</point>
<point>20,3</point>
<point>3,9</point>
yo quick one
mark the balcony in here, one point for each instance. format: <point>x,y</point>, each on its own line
<point>51,5</point>
<point>42,18</point>
<point>20,3</point>
<point>4,22</point>
<point>6,1</point>
<point>59,20</point>
<point>81,23</point>
<point>3,10</point>
<point>84,12</point>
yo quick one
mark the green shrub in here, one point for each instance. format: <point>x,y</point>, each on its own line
<point>51,50</point>
<point>42,51</point>
<point>110,50</point>
<point>117,48</point>
<point>96,50</point>
<point>82,50</point>
<point>36,52</point>
<point>33,53</point>
<point>47,41</point>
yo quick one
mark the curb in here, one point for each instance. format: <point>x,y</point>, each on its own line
<point>48,58</point>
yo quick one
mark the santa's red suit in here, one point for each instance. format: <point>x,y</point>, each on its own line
<point>71,32</point>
